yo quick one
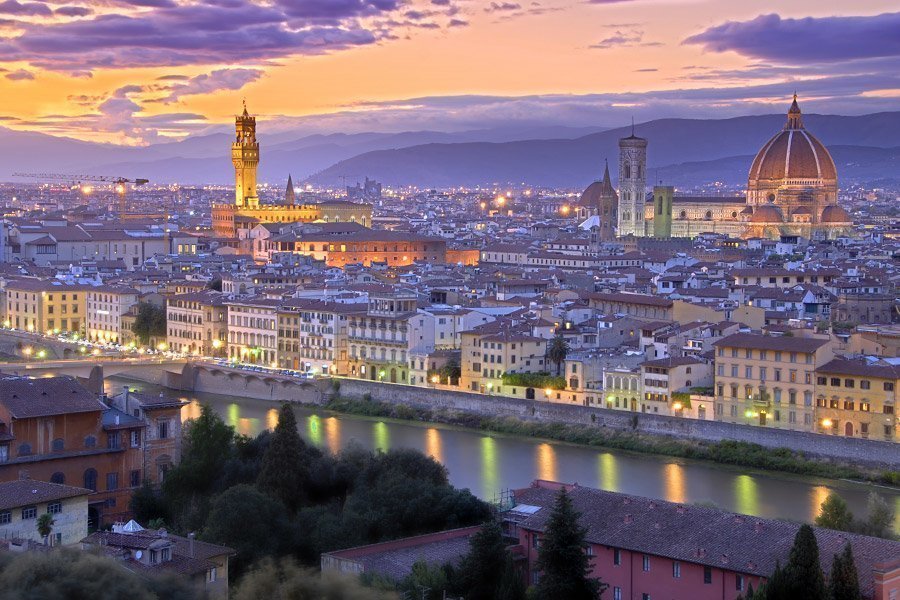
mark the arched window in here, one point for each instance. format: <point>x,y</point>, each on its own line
<point>58,478</point>
<point>58,445</point>
<point>90,480</point>
<point>90,442</point>
<point>24,449</point>
<point>708,215</point>
<point>682,215</point>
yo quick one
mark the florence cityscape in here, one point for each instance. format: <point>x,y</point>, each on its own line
<point>449,299</point>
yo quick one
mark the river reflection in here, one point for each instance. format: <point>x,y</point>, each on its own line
<point>489,464</point>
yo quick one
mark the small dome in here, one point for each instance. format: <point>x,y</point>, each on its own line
<point>767,214</point>
<point>836,214</point>
<point>598,191</point>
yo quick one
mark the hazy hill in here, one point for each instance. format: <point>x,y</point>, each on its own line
<point>576,162</point>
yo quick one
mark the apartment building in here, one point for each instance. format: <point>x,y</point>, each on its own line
<point>23,500</point>
<point>382,339</point>
<point>857,399</point>
<point>55,430</point>
<point>769,381</point>
<point>666,383</point>
<point>105,306</point>
<point>197,323</point>
<point>46,306</point>
<point>313,335</point>
<point>253,331</point>
<point>491,350</point>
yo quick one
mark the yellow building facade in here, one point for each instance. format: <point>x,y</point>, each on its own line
<point>855,399</point>
<point>45,306</point>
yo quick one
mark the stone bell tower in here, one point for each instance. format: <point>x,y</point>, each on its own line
<point>632,185</point>
<point>245,156</point>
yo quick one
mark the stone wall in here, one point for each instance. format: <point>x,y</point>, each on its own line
<point>868,452</point>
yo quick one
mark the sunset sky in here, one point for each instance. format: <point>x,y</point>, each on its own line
<point>141,71</point>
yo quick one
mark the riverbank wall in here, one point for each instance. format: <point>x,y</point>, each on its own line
<point>864,452</point>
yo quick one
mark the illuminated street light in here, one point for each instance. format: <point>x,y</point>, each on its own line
<point>435,379</point>
<point>677,406</point>
<point>217,344</point>
<point>827,423</point>
<point>26,351</point>
<point>42,354</point>
<point>564,210</point>
<point>161,346</point>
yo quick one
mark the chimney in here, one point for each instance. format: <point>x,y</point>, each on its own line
<point>191,537</point>
<point>629,518</point>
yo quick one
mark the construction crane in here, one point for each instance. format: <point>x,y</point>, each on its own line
<point>86,188</point>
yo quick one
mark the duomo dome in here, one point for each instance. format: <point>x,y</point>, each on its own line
<point>792,186</point>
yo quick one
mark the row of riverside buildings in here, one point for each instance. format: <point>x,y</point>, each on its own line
<point>632,352</point>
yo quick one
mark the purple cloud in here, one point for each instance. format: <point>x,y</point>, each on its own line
<point>623,39</point>
<point>204,32</point>
<point>808,40</point>
<point>25,9</point>
<point>502,7</point>
<point>73,11</point>
<point>221,79</point>
<point>20,75</point>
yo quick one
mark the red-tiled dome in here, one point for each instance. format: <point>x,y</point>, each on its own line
<point>793,153</point>
<point>598,191</point>
<point>835,214</point>
<point>767,214</point>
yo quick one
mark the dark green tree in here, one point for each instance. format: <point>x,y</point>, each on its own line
<point>564,565</point>
<point>286,580</point>
<point>451,371</point>
<point>206,446</point>
<point>147,504</point>
<point>843,582</point>
<point>247,520</point>
<point>215,284</point>
<point>150,322</point>
<point>835,514</point>
<point>285,464</point>
<point>481,570</point>
<point>802,578</point>
<point>557,351</point>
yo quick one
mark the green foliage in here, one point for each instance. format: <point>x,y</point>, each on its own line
<point>147,504</point>
<point>150,322</point>
<point>207,445</point>
<point>540,380</point>
<point>802,578</point>
<point>285,464</point>
<point>428,582</point>
<point>843,582</point>
<point>451,371</point>
<point>487,571</point>
<point>285,580</point>
<point>835,514</point>
<point>564,565</point>
<point>557,351</point>
<point>880,522</point>
<point>247,520</point>
<point>45,525</point>
<point>67,573</point>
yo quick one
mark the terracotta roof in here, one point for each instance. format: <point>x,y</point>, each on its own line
<point>24,492</point>
<point>768,342</point>
<point>26,398</point>
<point>793,153</point>
<point>699,535</point>
<point>842,366</point>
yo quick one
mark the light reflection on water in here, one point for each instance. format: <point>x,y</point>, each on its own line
<point>488,464</point>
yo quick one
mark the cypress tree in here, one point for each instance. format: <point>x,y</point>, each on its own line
<point>803,574</point>
<point>284,466</point>
<point>563,563</point>
<point>844,581</point>
<point>482,569</point>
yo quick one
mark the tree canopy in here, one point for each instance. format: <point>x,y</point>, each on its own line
<point>150,322</point>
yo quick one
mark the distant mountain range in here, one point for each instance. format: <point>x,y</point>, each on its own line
<point>682,152</point>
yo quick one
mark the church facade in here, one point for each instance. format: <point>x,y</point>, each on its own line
<point>237,219</point>
<point>792,189</point>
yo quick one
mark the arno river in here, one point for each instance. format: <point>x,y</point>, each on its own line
<point>488,463</point>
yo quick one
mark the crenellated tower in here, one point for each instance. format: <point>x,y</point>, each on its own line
<point>632,185</point>
<point>245,156</point>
